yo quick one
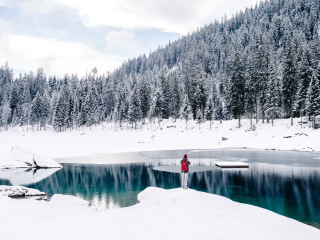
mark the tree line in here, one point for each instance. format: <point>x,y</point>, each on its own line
<point>262,64</point>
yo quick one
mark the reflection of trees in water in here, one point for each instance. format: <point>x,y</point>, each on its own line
<point>290,191</point>
<point>116,184</point>
<point>293,192</point>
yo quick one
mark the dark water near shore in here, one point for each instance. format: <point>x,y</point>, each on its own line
<point>287,183</point>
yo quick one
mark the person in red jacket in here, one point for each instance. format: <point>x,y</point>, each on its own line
<point>184,171</point>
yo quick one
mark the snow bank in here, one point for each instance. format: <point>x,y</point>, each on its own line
<point>107,139</point>
<point>99,141</point>
<point>68,200</point>
<point>161,214</point>
<point>17,157</point>
<point>19,191</point>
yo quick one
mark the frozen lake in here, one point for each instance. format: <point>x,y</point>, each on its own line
<point>287,183</point>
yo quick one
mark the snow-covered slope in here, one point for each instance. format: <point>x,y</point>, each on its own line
<point>161,214</point>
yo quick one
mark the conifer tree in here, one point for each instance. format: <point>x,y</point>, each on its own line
<point>5,115</point>
<point>289,79</point>
<point>219,110</point>
<point>14,100</point>
<point>272,103</point>
<point>305,72</point>
<point>209,111</point>
<point>135,112</point>
<point>156,106</point>
<point>45,110</point>
<point>145,97</point>
<point>35,113</point>
<point>199,117</point>
<point>237,84</point>
<point>175,96</point>
<point>59,117</point>
<point>313,96</point>
<point>186,112</point>
<point>24,120</point>
<point>250,97</point>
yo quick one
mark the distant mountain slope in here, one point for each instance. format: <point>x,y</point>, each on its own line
<point>261,63</point>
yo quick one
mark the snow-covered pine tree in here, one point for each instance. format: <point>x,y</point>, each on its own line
<point>69,112</point>
<point>14,100</point>
<point>24,119</point>
<point>59,117</point>
<point>289,85</point>
<point>236,89</point>
<point>122,105</point>
<point>186,112</point>
<point>92,113</point>
<point>145,96</point>
<point>76,113</point>
<point>218,114</point>
<point>200,96</point>
<point>5,115</point>
<point>199,118</point>
<point>45,110</point>
<point>156,106</point>
<point>272,94</point>
<point>165,96</point>
<point>250,100</point>
<point>35,113</point>
<point>313,96</point>
<point>304,75</point>
<point>175,94</point>
<point>53,104</point>
<point>135,112</point>
<point>261,65</point>
<point>209,111</point>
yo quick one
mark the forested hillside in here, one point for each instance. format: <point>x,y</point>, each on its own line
<point>262,63</point>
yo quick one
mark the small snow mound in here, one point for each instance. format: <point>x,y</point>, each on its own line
<point>152,195</point>
<point>58,199</point>
<point>19,191</point>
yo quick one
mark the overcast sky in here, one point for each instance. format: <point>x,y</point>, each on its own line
<point>72,36</point>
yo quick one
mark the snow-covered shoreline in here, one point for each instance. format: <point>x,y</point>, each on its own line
<point>160,214</point>
<point>170,135</point>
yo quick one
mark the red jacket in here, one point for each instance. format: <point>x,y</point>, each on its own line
<point>185,160</point>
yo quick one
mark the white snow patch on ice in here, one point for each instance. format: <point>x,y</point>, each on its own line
<point>231,164</point>
<point>26,176</point>
<point>17,157</point>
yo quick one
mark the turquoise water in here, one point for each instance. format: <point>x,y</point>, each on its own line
<point>285,183</point>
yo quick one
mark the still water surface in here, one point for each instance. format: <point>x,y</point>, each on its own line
<point>287,183</point>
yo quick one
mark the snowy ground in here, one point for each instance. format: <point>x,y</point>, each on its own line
<point>161,214</point>
<point>106,139</point>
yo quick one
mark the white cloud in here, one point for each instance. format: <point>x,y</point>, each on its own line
<point>59,57</point>
<point>25,53</point>
<point>123,42</point>
<point>178,16</point>
<point>32,7</point>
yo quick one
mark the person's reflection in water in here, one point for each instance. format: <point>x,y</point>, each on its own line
<point>184,171</point>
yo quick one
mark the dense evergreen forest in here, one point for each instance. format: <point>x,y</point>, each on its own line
<point>262,63</point>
